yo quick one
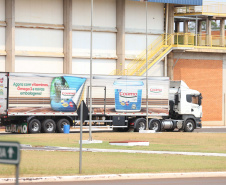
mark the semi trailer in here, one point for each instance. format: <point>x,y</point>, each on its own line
<point>34,103</point>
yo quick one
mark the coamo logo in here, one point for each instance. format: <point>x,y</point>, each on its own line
<point>67,94</point>
<point>156,90</point>
<point>128,94</point>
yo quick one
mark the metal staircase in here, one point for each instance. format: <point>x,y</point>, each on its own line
<point>156,52</point>
<point>164,44</point>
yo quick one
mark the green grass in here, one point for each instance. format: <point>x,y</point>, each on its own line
<point>175,141</point>
<point>43,163</point>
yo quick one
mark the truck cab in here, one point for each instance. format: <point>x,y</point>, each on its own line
<point>185,103</point>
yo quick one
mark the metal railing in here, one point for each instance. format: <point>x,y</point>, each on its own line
<point>163,44</point>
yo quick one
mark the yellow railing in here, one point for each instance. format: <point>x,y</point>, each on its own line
<point>140,60</point>
<point>162,45</point>
<point>184,39</point>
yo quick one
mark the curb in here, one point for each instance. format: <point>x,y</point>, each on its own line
<point>116,177</point>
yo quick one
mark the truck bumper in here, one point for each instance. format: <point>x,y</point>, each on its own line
<point>198,123</point>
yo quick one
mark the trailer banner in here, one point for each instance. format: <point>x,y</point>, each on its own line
<point>43,94</point>
<point>57,94</point>
<point>3,93</point>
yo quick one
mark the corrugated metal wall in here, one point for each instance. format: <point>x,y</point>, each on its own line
<point>185,2</point>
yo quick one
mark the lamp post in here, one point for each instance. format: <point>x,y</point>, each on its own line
<point>146,64</point>
<point>91,75</point>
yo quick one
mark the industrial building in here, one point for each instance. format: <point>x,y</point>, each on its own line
<point>54,36</point>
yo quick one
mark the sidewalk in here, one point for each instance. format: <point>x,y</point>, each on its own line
<point>115,177</point>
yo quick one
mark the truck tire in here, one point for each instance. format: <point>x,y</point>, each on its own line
<point>34,126</point>
<point>139,124</point>
<point>48,126</point>
<point>189,125</point>
<point>60,125</point>
<point>154,124</point>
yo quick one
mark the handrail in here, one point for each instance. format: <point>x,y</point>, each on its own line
<point>158,48</point>
<point>140,61</point>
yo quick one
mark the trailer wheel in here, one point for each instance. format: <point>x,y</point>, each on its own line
<point>154,124</point>
<point>34,126</point>
<point>139,124</point>
<point>60,125</point>
<point>189,125</point>
<point>48,126</point>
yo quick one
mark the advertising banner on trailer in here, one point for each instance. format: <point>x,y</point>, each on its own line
<point>39,94</point>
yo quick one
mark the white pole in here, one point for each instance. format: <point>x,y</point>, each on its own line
<point>167,22</point>
<point>166,36</point>
<point>91,75</point>
<point>80,151</point>
<point>147,64</point>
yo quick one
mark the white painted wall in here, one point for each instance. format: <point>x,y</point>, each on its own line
<point>42,40</point>
<point>136,16</point>
<point>100,66</point>
<point>39,11</point>
<point>2,38</point>
<point>156,70</point>
<point>104,13</point>
<point>2,63</point>
<point>39,64</point>
<point>135,44</point>
<point>104,44</point>
<point>2,10</point>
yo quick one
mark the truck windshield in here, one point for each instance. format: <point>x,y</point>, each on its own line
<point>194,99</point>
<point>197,99</point>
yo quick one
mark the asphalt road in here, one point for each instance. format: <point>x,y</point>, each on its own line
<point>202,130</point>
<point>211,130</point>
<point>174,181</point>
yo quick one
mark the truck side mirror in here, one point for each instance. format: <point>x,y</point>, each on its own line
<point>200,100</point>
<point>176,99</point>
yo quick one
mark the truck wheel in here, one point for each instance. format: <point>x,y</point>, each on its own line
<point>155,124</point>
<point>48,126</point>
<point>189,125</point>
<point>34,126</point>
<point>139,124</point>
<point>60,125</point>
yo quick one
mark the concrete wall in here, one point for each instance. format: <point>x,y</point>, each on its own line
<point>135,28</point>
<point>39,11</point>
<point>33,39</point>
<point>2,35</point>
<point>40,27</point>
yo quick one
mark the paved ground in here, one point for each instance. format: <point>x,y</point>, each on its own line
<point>181,181</point>
<point>200,178</point>
<point>209,129</point>
<point>49,148</point>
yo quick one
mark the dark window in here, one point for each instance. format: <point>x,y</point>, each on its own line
<point>189,98</point>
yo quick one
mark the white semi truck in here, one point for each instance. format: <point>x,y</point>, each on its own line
<point>33,103</point>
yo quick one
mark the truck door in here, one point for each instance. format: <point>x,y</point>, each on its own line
<point>3,94</point>
<point>98,99</point>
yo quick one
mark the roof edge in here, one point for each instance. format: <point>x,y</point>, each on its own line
<point>182,2</point>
